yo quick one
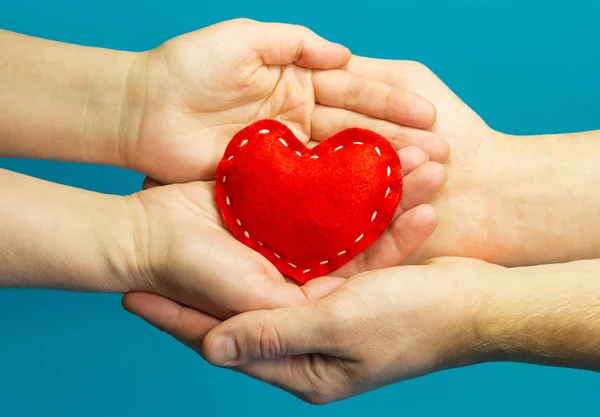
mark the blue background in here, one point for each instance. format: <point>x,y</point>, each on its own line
<point>525,66</point>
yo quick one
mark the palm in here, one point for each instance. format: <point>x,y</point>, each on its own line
<point>206,267</point>
<point>473,150</point>
<point>203,87</point>
<point>200,126</point>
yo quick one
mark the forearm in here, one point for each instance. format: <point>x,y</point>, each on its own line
<point>64,102</point>
<point>544,198</point>
<point>53,236</point>
<point>546,314</point>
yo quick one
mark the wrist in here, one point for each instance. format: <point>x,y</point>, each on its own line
<point>66,102</point>
<point>114,106</point>
<point>466,281</point>
<point>538,196</point>
<point>123,239</point>
<point>61,237</point>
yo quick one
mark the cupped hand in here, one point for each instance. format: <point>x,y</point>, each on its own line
<point>466,206</point>
<point>354,336</point>
<point>187,254</point>
<point>187,98</point>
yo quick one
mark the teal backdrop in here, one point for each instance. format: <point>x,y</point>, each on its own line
<point>525,66</point>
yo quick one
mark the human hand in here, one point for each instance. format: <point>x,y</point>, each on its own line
<point>495,203</point>
<point>351,336</point>
<point>189,97</point>
<point>187,254</point>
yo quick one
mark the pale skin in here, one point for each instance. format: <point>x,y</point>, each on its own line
<point>386,326</point>
<point>152,112</point>
<point>170,112</point>
<point>129,109</point>
<point>519,202</point>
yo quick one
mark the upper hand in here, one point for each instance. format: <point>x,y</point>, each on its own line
<point>192,94</point>
<point>469,205</point>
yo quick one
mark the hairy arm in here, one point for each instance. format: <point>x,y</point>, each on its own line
<point>546,314</point>
<point>54,236</point>
<point>63,102</point>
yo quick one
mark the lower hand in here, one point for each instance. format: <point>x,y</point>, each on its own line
<point>187,254</point>
<point>354,336</point>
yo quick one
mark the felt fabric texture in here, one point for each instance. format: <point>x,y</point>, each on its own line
<point>308,211</point>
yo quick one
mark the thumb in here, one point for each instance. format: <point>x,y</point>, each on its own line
<point>261,335</point>
<point>283,44</point>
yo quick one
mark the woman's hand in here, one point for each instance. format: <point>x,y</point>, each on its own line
<point>170,112</point>
<point>190,256</point>
<point>171,240</point>
<point>351,336</point>
<point>201,88</point>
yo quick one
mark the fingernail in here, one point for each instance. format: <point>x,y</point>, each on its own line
<point>223,350</point>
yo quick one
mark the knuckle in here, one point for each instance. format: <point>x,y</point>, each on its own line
<point>269,343</point>
<point>415,66</point>
<point>243,21</point>
<point>352,92</point>
<point>302,28</point>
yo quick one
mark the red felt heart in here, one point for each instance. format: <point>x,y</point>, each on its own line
<point>308,211</point>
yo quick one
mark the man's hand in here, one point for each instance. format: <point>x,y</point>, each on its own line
<point>508,200</point>
<point>352,336</point>
<point>390,325</point>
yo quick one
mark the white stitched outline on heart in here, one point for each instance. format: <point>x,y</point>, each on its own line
<point>284,143</point>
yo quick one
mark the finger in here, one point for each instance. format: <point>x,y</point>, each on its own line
<point>407,233</point>
<point>327,121</point>
<point>283,44</point>
<point>422,185</point>
<point>150,183</point>
<point>411,158</point>
<point>190,327</point>
<point>268,334</point>
<point>183,323</point>
<point>391,72</point>
<point>318,288</point>
<point>374,98</point>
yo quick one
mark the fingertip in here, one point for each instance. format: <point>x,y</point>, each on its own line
<point>321,287</point>
<point>156,310</point>
<point>438,174</point>
<point>323,55</point>
<point>426,111</point>
<point>344,52</point>
<point>427,214</point>
<point>411,158</point>
<point>440,151</point>
<point>428,218</point>
<point>431,143</point>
